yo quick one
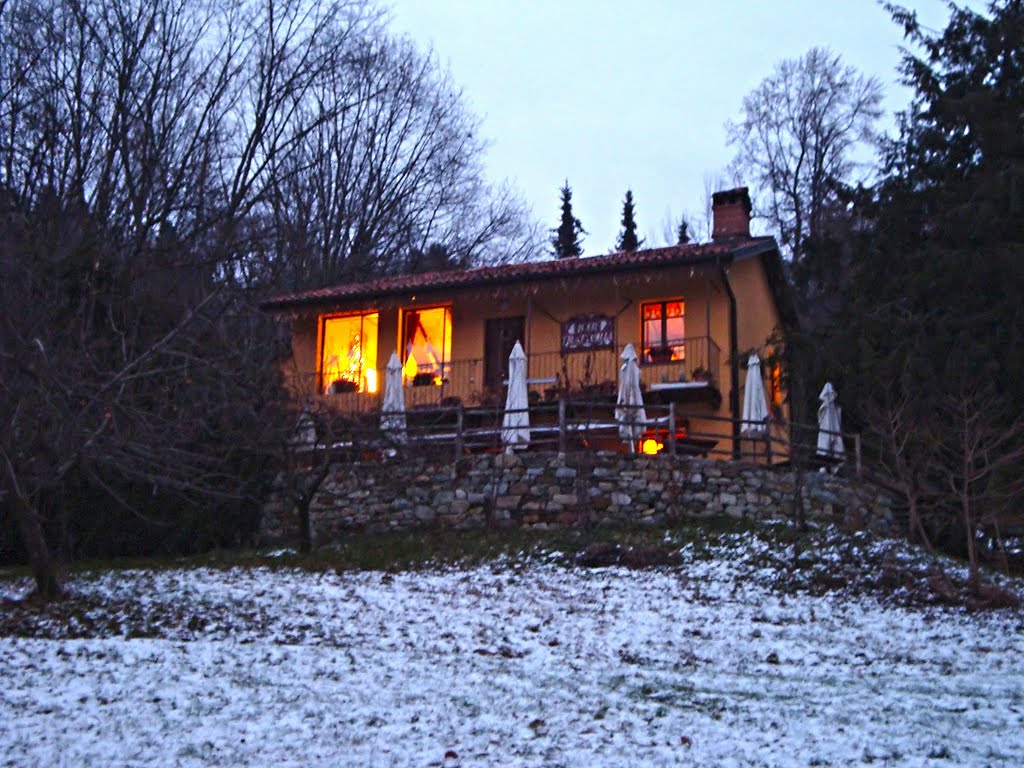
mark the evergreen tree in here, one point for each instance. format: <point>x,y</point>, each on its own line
<point>958,166</point>
<point>927,340</point>
<point>683,232</point>
<point>565,240</point>
<point>628,240</point>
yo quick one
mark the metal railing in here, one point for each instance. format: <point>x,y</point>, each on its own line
<point>597,371</point>
<point>551,375</point>
<point>458,380</point>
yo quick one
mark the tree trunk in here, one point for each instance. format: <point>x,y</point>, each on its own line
<point>305,528</point>
<point>917,533</point>
<point>972,544</point>
<point>48,582</point>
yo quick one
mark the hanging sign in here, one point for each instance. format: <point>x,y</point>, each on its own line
<point>588,332</point>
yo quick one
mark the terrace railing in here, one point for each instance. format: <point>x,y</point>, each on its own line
<point>590,425</point>
<point>578,376</point>
<point>597,372</point>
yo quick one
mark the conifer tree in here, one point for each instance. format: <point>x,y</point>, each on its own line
<point>565,240</point>
<point>628,240</point>
<point>683,232</point>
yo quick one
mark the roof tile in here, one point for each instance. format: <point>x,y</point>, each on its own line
<point>505,273</point>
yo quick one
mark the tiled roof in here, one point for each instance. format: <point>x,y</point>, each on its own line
<point>524,272</point>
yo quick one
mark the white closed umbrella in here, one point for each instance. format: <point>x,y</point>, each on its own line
<point>830,419</point>
<point>755,407</point>
<point>632,418</point>
<point>304,434</point>
<point>515,425</point>
<point>392,417</point>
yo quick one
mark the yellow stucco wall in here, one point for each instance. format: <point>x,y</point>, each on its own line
<point>545,304</point>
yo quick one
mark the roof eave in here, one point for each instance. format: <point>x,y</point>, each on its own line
<point>712,256</point>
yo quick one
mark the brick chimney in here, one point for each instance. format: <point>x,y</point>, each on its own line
<point>730,214</point>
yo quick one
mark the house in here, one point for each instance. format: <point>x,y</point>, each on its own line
<point>693,313</point>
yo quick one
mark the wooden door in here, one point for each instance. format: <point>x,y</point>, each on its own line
<point>500,335</point>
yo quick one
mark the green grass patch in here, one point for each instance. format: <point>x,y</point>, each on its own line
<point>434,548</point>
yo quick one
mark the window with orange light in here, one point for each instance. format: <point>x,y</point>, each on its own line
<point>775,385</point>
<point>663,330</point>
<point>348,358</point>
<point>426,344</point>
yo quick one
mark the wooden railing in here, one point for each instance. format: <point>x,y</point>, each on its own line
<point>588,425</point>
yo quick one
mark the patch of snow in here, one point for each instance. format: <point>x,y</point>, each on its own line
<point>536,664</point>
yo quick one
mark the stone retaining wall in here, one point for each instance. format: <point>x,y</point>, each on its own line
<point>545,490</point>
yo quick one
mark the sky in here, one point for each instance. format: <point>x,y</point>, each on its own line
<point>611,95</point>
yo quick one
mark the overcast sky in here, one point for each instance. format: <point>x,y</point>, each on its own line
<point>614,95</point>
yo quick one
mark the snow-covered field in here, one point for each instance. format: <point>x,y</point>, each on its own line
<point>513,663</point>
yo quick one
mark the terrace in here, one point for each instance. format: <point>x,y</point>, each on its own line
<point>681,374</point>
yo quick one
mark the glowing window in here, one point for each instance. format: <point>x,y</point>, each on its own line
<point>349,357</point>
<point>664,331</point>
<point>427,344</point>
<point>775,385</point>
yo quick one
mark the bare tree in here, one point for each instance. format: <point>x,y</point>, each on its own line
<point>899,414</point>
<point>397,168</point>
<point>711,182</point>
<point>796,137</point>
<point>980,451</point>
<point>136,149</point>
<point>159,162</point>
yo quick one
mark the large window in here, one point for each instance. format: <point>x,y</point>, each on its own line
<point>664,331</point>
<point>348,360</point>
<point>426,344</point>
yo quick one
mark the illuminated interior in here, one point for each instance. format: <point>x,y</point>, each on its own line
<point>349,357</point>
<point>656,438</point>
<point>650,446</point>
<point>775,385</point>
<point>664,331</point>
<point>427,344</point>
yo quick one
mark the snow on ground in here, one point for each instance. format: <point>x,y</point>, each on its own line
<point>515,664</point>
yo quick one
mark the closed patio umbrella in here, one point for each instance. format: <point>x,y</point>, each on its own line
<point>755,407</point>
<point>632,420</point>
<point>392,417</point>
<point>515,424</point>
<point>830,415</point>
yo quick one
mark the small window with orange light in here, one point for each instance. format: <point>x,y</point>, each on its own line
<point>663,331</point>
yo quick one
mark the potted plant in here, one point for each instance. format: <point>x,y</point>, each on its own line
<point>699,374</point>
<point>558,390</point>
<point>660,355</point>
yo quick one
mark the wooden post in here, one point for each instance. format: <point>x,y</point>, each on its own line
<point>459,439</point>
<point>856,453</point>
<point>768,441</point>
<point>561,425</point>
<point>672,429</point>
